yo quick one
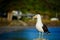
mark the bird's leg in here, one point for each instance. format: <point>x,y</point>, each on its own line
<point>41,34</point>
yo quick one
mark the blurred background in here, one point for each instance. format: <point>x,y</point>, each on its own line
<point>14,10</point>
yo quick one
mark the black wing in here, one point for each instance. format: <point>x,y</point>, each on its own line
<point>45,28</point>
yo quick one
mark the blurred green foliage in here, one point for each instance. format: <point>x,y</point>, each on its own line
<point>52,6</point>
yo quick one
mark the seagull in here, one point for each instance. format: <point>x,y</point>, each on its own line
<point>40,26</point>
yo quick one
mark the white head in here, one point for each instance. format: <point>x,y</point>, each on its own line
<point>38,16</point>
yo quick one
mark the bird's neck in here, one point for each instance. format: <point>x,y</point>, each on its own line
<point>39,21</point>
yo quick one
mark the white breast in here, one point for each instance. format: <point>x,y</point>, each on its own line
<point>39,27</point>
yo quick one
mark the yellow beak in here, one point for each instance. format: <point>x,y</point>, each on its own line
<point>34,17</point>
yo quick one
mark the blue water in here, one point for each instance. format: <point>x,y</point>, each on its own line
<point>32,33</point>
